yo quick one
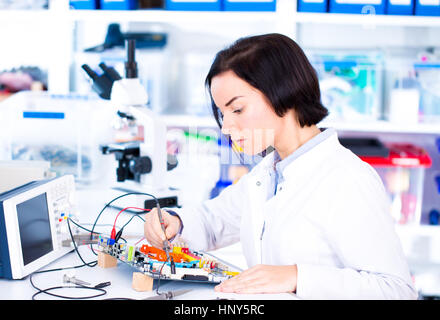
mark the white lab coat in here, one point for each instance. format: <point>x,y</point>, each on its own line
<point>331,217</point>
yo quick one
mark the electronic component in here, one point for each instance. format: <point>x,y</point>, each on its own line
<point>187,265</point>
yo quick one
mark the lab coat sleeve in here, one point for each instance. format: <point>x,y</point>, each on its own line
<point>215,223</point>
<point>360,229</point>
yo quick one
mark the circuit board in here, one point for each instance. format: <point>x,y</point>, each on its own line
<point>187,265</point>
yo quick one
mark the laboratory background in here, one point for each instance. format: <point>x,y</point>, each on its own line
<point>378,64</point>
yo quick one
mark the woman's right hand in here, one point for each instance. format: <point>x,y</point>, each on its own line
<point>153,231</point>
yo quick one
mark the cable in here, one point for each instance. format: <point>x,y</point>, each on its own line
<point>113,200</point>
<point>89,264</point>
<point>113,232</point>
<point>47,291</point>
<point>160,273</point>
<point>81,227</point>
<point>135,216</point>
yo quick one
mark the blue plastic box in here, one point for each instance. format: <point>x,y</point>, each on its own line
<point>349,6</point>
<point>188,5</point>
<point>118,4</point>
<point>400,7</point>
<point>84,4</point>
<point>255,5</point>
<point>427,8</point>
<point>312,6</point>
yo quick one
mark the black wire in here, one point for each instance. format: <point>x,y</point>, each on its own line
<point>89,264</point>
<point>47,291</point>
<point>98,233</point>
<point>137,214</point>
<point>81,227</point>
<point>160,273</point>
<point>113,200</point>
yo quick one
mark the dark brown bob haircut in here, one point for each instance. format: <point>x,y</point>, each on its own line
<point>275,65</point>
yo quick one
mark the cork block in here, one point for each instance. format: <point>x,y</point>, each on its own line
<point>106,261</point>
<point>142,282</point>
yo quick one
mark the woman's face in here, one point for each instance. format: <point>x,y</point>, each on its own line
<point>247,114</point>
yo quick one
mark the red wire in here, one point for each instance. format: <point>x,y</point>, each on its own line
<point>113,233</point>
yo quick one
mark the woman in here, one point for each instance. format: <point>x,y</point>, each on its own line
<point>311,216</point>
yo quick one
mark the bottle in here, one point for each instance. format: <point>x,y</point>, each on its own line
<point>404,101</point>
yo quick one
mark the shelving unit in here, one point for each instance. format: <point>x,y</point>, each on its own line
<point>366,19</point>
<point>60,12</point>
<point>284,20</point>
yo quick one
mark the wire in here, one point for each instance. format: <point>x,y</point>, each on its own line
<point>88,264</point>
<point>113,200</point>
<point>135,216</point>
<point>47,291</point>
<point>81,227</point>
<point>143,238</point>
<point>113,233</point>
<point>160,273</point>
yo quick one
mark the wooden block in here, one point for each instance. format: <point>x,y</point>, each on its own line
<point>142,282</point>
<point>106,261</point>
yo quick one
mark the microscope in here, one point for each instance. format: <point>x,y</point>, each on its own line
<point>143,164</point>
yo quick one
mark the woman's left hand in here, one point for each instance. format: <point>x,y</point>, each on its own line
<point>262,279</point>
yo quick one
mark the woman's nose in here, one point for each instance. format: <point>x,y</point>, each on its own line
<point>227,126</point>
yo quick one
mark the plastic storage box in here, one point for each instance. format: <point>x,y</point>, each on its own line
<point>400,7</point>
<point>427,8</point>
<point>312,5</point>
<point>412,90</point>
<point>84,4</point>
<point>427,75</point>
<point>351,83</point>
<point>403,173</point>
<point>249,5</point>
<point>118,4</point>
<point>194,5</point>
<point>356,6</point>
<point>65,130</point>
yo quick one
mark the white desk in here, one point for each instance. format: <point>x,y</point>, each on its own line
<point>90,203</point>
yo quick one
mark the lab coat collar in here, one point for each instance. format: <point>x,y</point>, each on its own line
<point>311,160</point>
<point>307,160</point>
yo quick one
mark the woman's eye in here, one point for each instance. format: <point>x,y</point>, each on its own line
<point>238,111</point>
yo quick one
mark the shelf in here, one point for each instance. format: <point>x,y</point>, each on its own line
<point>374,126</point>
<point>366,19</point>
<point>157,16</point>
<point>189,121</point>
<point>383,126</point>
<point>172,17</point>
<point>26,15</point>
<point>418,230</point>
<point>223,17</point>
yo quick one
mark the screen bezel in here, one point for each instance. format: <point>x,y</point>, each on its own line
<point>18,269</point>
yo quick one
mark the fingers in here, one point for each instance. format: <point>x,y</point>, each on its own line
<point>153,230</point>
<point>241,281</point>
<point>262,279</point>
